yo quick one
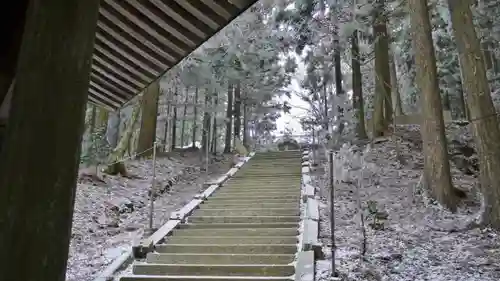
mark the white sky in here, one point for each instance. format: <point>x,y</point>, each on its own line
<point>299,107</point>
<point>292,120</point>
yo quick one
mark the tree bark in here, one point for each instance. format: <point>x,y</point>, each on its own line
<point>237,111</point>
<point>149,112</point>
<point>102,119</point>
<point>37,186</point>
<point>481,109</point>
<point>167,124</point>
<point>336,57</point>
<point>214,126</point>
<point>461,101</point>
<point>396,96</point>
<point>119,151</point>
<point>113,132</point>
<point>206,124</point>
<point>357,87</point>
<point>383,109</point>
<point>326,121</point>
<point>229,118</point>
<point>245,124</point>
<point>184,114</point>
<point>174,121</point>
<point>437,177</point>
<point>195,118</point>
<point>91,118</point>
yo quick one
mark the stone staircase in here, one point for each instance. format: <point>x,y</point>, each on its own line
<point>248,229</point>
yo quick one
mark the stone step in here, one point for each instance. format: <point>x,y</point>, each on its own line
<point>260,232</point>
<point>213,269</point>
<point>278,164</point>
<point>240,187</point>
<point>280,168</point>
<point>288,162</point>
<point>186,258</point>
<point>200,278</point>
<point>247,240</point>
<point>275,164</point>
<point>295,185</point>
<point>263,175</point>
<point>264,179</point>
<point>249,193</point>
<point>251,201</point>
<point>260,173</point>
<point>274,158</point>
<point>248,212</point>
<point>249,204</point>
<point>256,197</point>
<point>242,190</point>
<point>242,219</point>
<point>259,180</point>
<point>257,185</point>
<point>227,248</point>
<point>237,225</point>
<point>277,178</point>
<point>246,189</point>
<point>278,154</point>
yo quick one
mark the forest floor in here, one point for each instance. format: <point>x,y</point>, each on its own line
<point>417,241</point>
<point>111,213</point>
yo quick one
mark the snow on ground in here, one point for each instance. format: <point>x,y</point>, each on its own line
<point>416,242</point>
<point>110,216</point>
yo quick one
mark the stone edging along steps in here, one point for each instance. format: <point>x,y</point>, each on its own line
<point>262,224</point>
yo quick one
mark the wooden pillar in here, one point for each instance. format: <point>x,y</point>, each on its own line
<point>40,155</point>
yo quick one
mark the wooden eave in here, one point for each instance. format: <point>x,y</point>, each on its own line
<point>137,41</point>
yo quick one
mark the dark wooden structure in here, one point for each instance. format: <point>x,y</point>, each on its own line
<point>136,42</point>
<point>60,52</point>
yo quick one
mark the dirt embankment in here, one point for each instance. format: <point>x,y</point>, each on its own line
<point>111,212</point>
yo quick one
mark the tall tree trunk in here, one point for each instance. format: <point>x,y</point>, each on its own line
<point>463,97</point>
<point>37,186</point>
<point>245,125</point>
<point>229,118</point>
<point>237,111</point>
<point>124,143</point>
<point>482,111</point>
<point>357,87</point>
<point>90,115</point>
<point>382,73</point>
<point>149,112</point>
<point>195,118</point>
<point>214,125</point>
<point>396,97</point>
<point>446,101</point>
<point>437,177</point>
<point>167,120</point>
<point>113,131</point>
<point>326,121</point>
<point>102,119</point>
<point>174,121</point>
<point>206,124</point>
<point>91,119</point>
<point>90,124</point>
<point>184,114</point>
<point>461,101</point>
<point>337,59</point>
